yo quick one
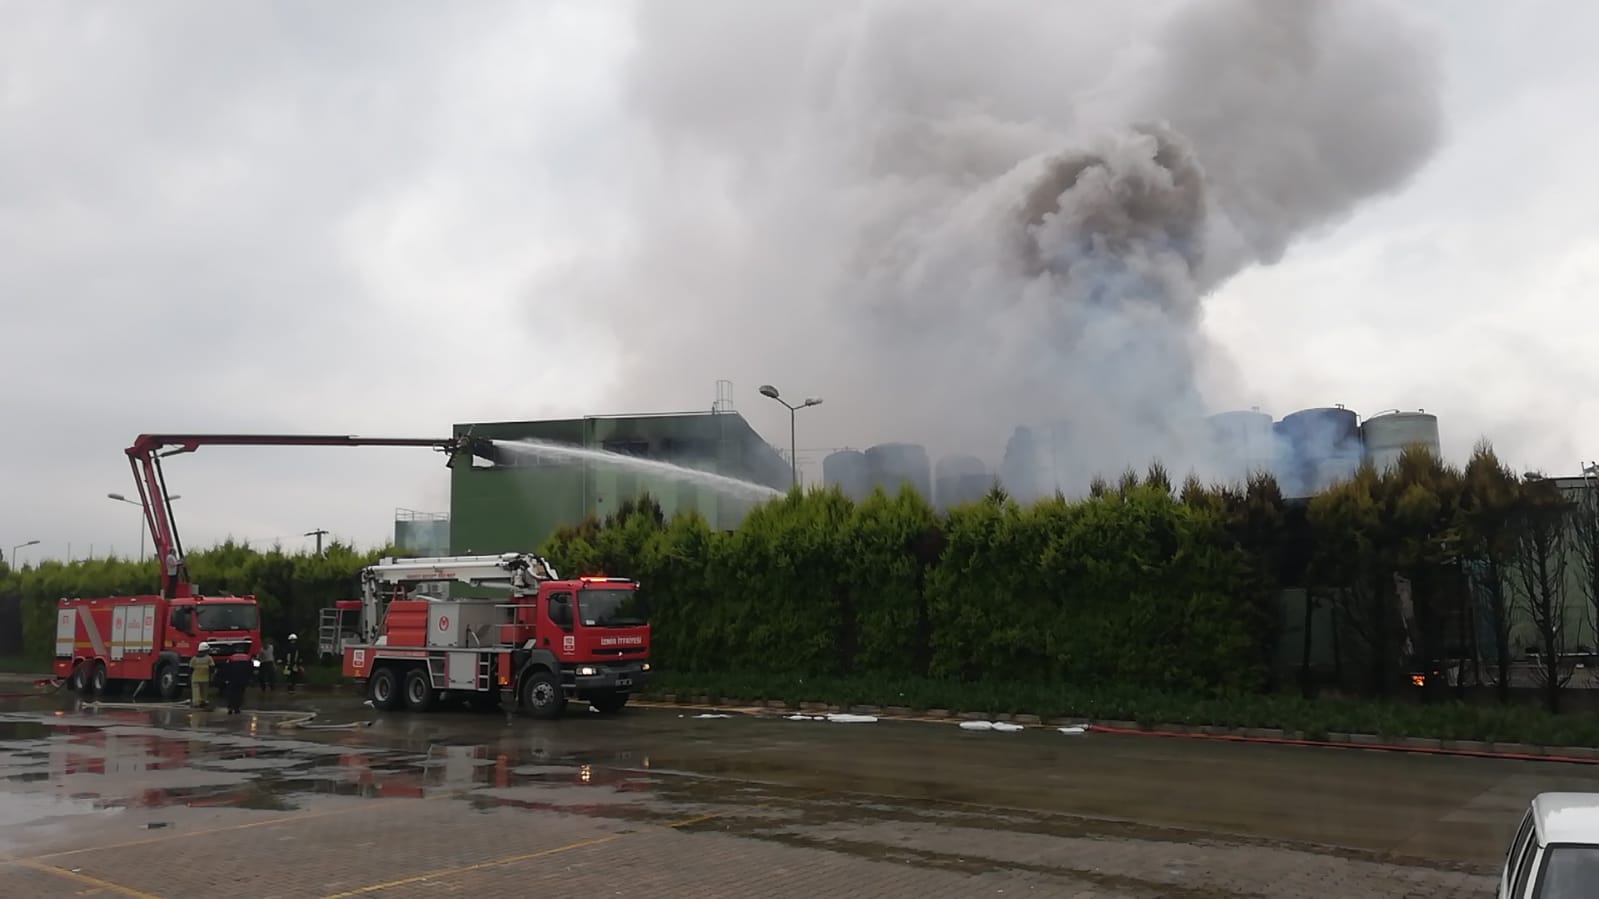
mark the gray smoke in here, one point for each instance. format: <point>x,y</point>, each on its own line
<point>954,218</point>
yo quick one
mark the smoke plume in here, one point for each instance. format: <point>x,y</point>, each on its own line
<point>954,218</point>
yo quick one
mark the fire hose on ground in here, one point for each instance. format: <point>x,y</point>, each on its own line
<point>294,719</point>
<point>44,686</point>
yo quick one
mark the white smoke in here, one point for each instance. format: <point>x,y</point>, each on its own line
<point>954,218</point>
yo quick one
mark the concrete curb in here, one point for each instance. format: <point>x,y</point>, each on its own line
<point>1583,755</point>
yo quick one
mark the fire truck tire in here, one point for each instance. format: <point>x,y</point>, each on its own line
<point>98,681</point>
<point>79,679</point>
<point>610,703</point>
<point>385,689</point>
<point>166,682</point>
<point>542,695</point>
<point>419,692</point>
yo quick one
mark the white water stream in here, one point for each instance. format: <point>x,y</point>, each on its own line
<point>652,467</point>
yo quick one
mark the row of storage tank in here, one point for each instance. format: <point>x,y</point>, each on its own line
<point>1307,451</point>
<point>1312,449</point>
<point>955,480</point>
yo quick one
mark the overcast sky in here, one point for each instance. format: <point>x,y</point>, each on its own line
<point>381,219</point>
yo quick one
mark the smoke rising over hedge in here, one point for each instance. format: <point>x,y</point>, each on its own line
<point>953,218</point>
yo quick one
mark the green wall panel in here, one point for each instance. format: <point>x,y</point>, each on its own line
<point>504,509</point>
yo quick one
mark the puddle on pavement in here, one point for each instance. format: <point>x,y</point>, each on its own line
<point>54,766</point>
<point>127,758</point>
<point>117,759</point>
<point>23,730</point>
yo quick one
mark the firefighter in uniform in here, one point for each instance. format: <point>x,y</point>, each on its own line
<point>292,666</point>
<point>200,677</point>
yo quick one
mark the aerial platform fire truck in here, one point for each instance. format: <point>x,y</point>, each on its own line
<point>541,639</point>
<point>105,642</point>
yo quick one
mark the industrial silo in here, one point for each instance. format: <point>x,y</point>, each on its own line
<point>893,464</point>
<point>849,471</point>
<point>1387,435</point>
<point>1316,449</point>
<point>1019,469</point>
<point>960,479</point>
<point>1241,443</point>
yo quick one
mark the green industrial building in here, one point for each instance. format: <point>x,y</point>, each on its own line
<point>516,498</point>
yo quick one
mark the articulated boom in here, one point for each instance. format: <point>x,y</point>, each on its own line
<point>520,573</point>
<point>148,450</point>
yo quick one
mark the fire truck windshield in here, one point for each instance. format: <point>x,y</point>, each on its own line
<point>611,608</point>
<point>229,616</point>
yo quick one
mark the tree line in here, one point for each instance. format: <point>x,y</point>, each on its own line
<point>1457,577</point>
<point>1422,574</point>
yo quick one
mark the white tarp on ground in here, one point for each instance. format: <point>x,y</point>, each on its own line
<point>990,725</point>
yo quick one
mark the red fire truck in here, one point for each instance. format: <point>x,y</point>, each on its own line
<point>545,641</point>
<point>102,643</point>
<point>107,641</point>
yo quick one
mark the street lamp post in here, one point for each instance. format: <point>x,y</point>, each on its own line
<point>768,390</point>
<point>20,546</point>
<point>122,499</point>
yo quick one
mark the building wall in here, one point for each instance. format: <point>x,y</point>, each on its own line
<point>517,503</point>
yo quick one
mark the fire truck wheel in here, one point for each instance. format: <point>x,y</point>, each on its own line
<point>99,681</point>
<point>419,693</point>
<point>385,689</point>
<point>542,695</point>
<point>166,682</point>
<point>609,703</point>
<point>79,678</point>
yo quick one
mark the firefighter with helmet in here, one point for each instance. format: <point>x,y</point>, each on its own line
<point>292,665</point>
<point>200,677</point>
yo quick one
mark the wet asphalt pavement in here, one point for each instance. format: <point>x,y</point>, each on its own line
<point>658,802</point>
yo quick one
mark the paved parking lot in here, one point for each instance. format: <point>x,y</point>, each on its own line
<point>662,803</point>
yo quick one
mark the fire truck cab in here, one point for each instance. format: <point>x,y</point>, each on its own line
<point>108,642</point>
<point>546,642</point>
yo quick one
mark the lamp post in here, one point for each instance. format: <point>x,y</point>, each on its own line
<point>122,499</point>
<point>793,453</point>
<point>14,549</point>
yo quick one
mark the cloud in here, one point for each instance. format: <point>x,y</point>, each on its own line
<point>284,217</point>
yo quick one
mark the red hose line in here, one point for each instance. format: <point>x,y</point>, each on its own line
<point>1381,747</point>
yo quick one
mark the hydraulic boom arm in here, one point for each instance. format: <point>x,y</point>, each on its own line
<point>145,455</point>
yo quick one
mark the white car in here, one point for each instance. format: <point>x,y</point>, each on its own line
<point>1555,854</point>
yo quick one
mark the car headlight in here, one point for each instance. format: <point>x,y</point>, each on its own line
<point>587,671</point>
<point>645,667</point>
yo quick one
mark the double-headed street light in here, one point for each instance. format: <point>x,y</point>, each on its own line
<point>793,453</point>
<point>14,549</point>
<point>122,499</point>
